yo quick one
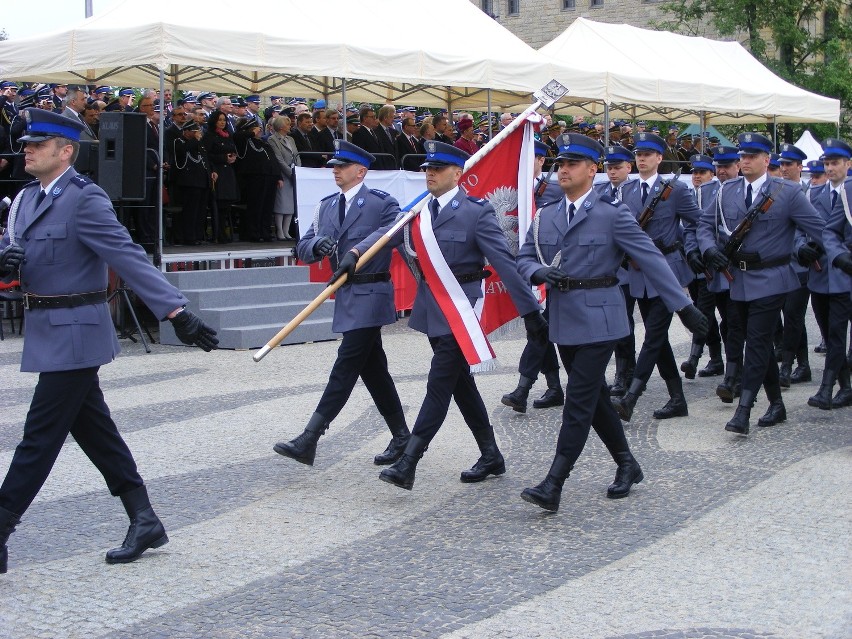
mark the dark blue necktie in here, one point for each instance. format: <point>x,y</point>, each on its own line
<point>571,210</point>
<point>341,208</point>
<point>644,192</point>
<point>833,199</point>
<point>39,198</point>
<point>434,207</point>
<point>748,197</point>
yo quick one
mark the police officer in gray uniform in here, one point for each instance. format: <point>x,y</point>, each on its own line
<point>762,275</point>
<point>675,242</point>
<point>361,307</point>
<point>467,233</point>
<point>832,288</point>
<point>577,245</point>
<point>63,233</point>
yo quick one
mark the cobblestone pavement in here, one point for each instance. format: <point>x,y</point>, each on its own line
<point>726,537</point>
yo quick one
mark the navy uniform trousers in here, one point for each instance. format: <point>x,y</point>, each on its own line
<point>538,357</point>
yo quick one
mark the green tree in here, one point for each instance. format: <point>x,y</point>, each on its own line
<point>806,42</point>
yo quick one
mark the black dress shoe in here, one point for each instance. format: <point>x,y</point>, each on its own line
<point>629,472</point>
<point>304,447</point>
<point>552,397</point>
<point>517,399</point>
<point>713,368</point>
<point>548,493</point>
<point>675,407</point>
<point>145,530</point>
<point>801,374</point>
<point>401,474</point>
<point>490,464</point>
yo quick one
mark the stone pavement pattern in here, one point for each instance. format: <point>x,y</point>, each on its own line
<point>726,537</point>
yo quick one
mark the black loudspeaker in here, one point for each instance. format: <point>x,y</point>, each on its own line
<point>121,155</point>
<point>87,159</point>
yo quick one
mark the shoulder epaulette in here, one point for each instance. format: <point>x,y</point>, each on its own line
<point>478,200</point>
<point>29,184</point>
<point>379,193</point>
<point>327,197</point>
<point>81,180</point>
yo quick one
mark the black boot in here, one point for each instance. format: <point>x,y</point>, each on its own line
<point>786,369</point>
<point>8,521</point>
<point>623,375</point>
<point>489,463</point>
<point>727,390</point>
<point>676,406</point>
<point>548,493</point>
<point>803,370</point>
<point>690,366</point>
<point>304,448</point>
<point>628,473</point>
<point>822,399</point>
<point>776,412</point>
<point>739,423</point>
<point>517,399</point>
<point>821,348</point>
<point>399,431</point>
<point>844,395</point>
<point>553,396</point>
<point>716,366</point>
<point>624,406</point>
<point>145,531</point>
<point>402,472</point>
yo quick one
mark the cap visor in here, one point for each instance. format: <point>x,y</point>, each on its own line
<point>35,138</point>
<point>436,164</point>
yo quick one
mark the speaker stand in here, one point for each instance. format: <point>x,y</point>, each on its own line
<point>121,292</point>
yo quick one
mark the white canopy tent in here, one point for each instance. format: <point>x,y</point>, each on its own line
<point>807,142</point>
<point>638,73</point>
<point>222,47</point>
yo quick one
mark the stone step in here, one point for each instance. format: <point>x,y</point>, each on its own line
<point>262,314</point>
<point>255,336</point>
<point>210,298</point>
<point>231,277</point>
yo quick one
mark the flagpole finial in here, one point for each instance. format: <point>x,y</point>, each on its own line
<point>550,93</point>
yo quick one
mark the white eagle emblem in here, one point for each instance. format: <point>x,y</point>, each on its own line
<point>504,199</point>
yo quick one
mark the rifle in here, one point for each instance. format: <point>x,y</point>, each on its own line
<point>737,238</point>
<point>647,213</point>
<point>543,184</point>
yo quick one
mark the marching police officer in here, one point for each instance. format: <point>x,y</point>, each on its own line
<point>63,232</point>
<point>577,246</point>
<point>455,235</point>
<point>538,356</point>
<point>831,288</point>
<point>361,307</point>
<point>761,271</point>
<point>673,241</point>
<point>618,162</point>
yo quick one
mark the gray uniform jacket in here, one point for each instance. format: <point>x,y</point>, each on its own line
<point>830,279</point>
<point>468,233</point>
<point>771,236</point>
<point>593,246</point>
<point>837,234</point>
<point>356,305</point>
<point>68,241</point>
<point>706,198</point>
<point>665,230</point>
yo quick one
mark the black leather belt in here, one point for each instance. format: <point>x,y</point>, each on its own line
<point>32,301</point>
<point>572,283</point>
<point>475,276</point>
<point>369,278</point>
<point>752,261</point>
<point>665,250</point>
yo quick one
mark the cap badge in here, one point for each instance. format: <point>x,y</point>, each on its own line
<point>430,146</point>
<point>337,145</point>
<point>747,137</point>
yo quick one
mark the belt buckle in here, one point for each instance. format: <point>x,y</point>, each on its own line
<point>743,265</point>
<point>75,300</point>
<point>26,301</point>
<point>564,285</point>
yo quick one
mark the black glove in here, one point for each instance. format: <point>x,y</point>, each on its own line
<point>324,246</point>
<point>694,320</point>
<point>808,253</point>
<point>715,258</point>
<point>10,259</point>
<point>844,262</point>
<point>548,275</point>
<point>536,325</point>
<point>693,258</point>
<point>347,265</point>
<point>192,331</point>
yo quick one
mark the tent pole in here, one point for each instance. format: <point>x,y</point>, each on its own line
<point>490,115</point>
<point>343,105</point>
<point>702,124</point>
<point>158,245</point>
<point>606,123</point>
<point>775,133</point>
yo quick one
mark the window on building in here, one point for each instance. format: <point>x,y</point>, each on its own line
<point>514,7</point>
<point>568,4</point>
<point>487,7</point>
<point>596,3</point>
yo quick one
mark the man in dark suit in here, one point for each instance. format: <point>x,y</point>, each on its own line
<point>408,145</point>
<point>386,136</point>
<point>301,136</point>
<point>362,306</point>
<point>365,136</point>
<point>322,136</point>
<point>761,271</point>
<point>63,232</point>
<point>462,232</point>
<point>589,234</point>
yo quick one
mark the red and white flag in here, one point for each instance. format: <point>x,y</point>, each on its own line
<point>504,177</point>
